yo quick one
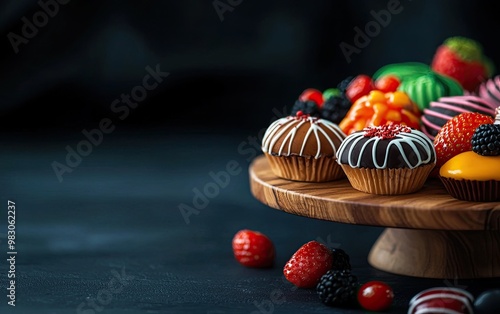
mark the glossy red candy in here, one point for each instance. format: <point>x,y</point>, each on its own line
<point>375,296</point>
<point>444,300</point>
<point>312,94</point>
<point>360,86</point>
<point>387,84</point>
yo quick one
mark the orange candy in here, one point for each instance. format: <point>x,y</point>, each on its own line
<point>378,108</point>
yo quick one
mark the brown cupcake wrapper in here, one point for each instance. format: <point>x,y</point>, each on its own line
<point>306,169</point>
<point>473,190</point>
<point>390,181</point>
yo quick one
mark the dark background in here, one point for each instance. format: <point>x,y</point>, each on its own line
<point>261,56</point>
<point>119,207</point>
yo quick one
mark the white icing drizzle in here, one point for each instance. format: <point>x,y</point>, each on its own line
<point>442,296</point>
<point>412,139</point>
<point>497,115</point>
<point>290,125</point>
<point>450,290</point>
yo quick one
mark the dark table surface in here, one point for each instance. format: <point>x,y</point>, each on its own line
<point>110,237</point>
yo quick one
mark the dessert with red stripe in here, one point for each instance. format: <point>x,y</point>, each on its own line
<point>443,300</point>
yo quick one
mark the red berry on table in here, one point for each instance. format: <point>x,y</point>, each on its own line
<point>253,249</point>
<point>312,94</point>
<point>360,86</point>
<point>308,264</point>
<point>387,83</point>
<point>375,296</point>
<point>455,136</point>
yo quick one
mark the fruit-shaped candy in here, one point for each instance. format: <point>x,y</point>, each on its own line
<point>359,86</point>
<point>312,94</point>
<point>387,83</point>
<point>378,108</point>
<point>331,92</point>
<point>420,82</point>
<point>402,71</point>
<point>463,59</point>
<point>428,87</point>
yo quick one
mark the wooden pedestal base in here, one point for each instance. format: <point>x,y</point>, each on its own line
<point>430,233</point>
<point>438,254</point>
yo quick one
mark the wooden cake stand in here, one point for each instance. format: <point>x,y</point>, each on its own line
<point>429,233</point>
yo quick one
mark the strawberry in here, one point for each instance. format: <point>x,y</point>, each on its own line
<point>456,134</point>
<point>253,249</point>
<point>308,264</point>
<point>462,59</point>
<point>359,86</point>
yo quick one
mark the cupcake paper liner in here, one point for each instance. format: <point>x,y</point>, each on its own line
<point>306,169</point>
<point>473,190</point>
<point>390,181</point>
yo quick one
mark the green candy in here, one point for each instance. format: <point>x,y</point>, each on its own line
<point>331,92</point>
<point>402,70</point>
<point>425,88</point>
<point>420,82</point>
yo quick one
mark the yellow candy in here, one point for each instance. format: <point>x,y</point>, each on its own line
<point>379,110</point>
<point>399,99</point>
<point>376,96</point>
<point>359,125</point>
<point>393,115</point>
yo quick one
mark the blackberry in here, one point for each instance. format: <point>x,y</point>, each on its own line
<point>341,260</point>
<point>337,288</point>
<point>486,140</point>
<point>335,108</point>
<point>307,107</point>
<point>342,86</point>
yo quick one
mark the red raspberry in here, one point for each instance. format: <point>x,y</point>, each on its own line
<point>455,136</point>
<point>308,264</point>
<point>253,249</point>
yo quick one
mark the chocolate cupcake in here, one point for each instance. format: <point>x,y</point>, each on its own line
<point>303,148</point>
<point>388,160</point>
